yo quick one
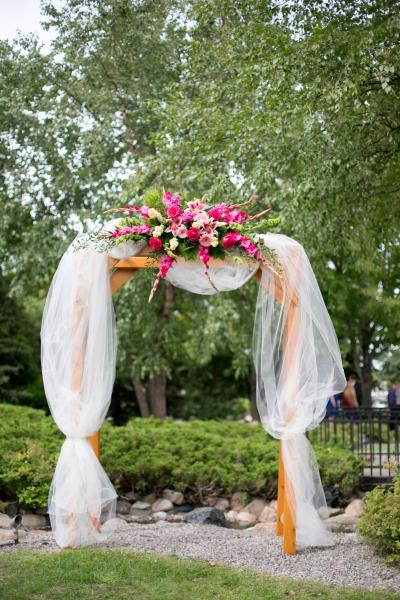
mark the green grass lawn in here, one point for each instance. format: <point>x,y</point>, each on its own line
<point>122,575</point>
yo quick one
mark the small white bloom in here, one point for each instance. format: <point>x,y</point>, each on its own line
<point>214,242</point>
<point>173,243</point>
<point>154,214</point>
<point>197,224</point>
<point>157,231</point>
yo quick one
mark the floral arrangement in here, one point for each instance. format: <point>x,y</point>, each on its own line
<point>193,230</point>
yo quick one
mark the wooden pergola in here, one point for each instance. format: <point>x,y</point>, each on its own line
<point>121,272</point>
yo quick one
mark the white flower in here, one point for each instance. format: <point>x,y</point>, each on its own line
<point>197,224</point>
<point>157,231</point>
<point>173,243</point>
<point>214,242</point>
<point>154,214</point>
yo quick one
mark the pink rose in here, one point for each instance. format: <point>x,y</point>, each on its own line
<point>231,239</point>
<point>217,212</point>
<point>173,211</point>
<point>249,247</point>
<point>155,243</point>
<point>193,234</point>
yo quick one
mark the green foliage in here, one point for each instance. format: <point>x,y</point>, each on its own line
<point>380,524</point>
<point>147,455</point>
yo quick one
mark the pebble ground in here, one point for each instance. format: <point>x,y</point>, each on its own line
<point>349,563</point>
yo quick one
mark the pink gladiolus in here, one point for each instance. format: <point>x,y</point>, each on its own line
<point>250,248</point>
<point>165,264</point>
<point>231,239</point>
<point>236,216</point>
<point>169,199</point>
<point>173,211</point>
<point>144,210</point>
<point>136,229</point>
<point>155,243</point>
<point>193,234</point>
<point>204,255</point>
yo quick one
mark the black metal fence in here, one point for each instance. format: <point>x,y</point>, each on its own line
<point>371,433</point>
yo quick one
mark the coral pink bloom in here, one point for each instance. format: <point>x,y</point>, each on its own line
<point>249,247</point>
<point>231,239</point>
<point>206,239</point>
<point>155,243</point>
<point>193,234</point>
<point>202,217</point>
<point>181,231</point>
<point>173,211</point>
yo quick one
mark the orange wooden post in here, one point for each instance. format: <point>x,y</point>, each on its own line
<point>281,495</point>
<point>95,443</point>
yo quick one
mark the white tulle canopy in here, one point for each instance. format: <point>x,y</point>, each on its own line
<point>296,357</point>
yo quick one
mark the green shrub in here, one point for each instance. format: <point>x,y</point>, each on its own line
<point>146,455</point>
<point>380,524</point>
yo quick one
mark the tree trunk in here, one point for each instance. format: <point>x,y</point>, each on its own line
<point>253,394</point>
<point>157,395</point>
<point>141,398</point>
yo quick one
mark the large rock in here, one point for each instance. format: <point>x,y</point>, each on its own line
<point>34,521</point>
<point>245,519</point>
<point>140,509</point>
<point>205,515</point>
<point>123,507</point>
<point>174,497</point>
<point>5,521</point>
<point>183,508</point>
<point>140,505</point>
<point>255,507</point>
<point>238,501</point>
<point>162,505</point>
<point>355,508</point>
<point>231,516</point>
<point>344,523</point>
<point>150,498</point>
<point>222,504</point>
<point>142,519</point>
<point>268,515</point>
<point>115,523</point>
<point>273,505</point>
<point>160,515</point>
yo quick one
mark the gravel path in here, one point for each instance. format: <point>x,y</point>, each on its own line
<point>349,563</point>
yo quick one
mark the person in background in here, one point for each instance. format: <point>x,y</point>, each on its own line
<point>349,397</point>
<point>394,403</point>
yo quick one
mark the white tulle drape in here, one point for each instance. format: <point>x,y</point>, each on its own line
<point>296,357</point>
<point>298,366</point>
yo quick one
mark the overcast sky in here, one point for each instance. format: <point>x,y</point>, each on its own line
<point>23,16</point>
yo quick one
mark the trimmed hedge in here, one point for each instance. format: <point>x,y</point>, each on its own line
<point>147,455</point>
<point>380,523</point>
